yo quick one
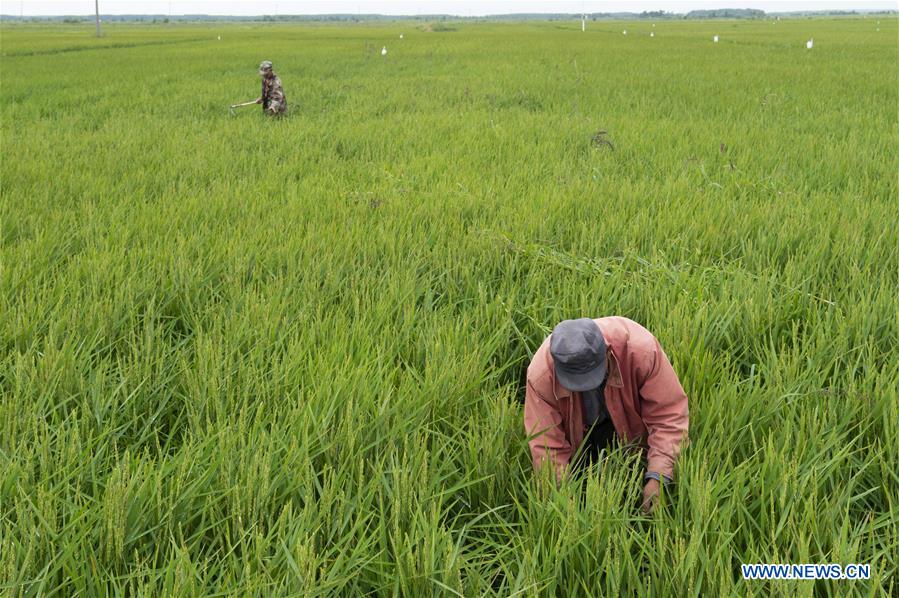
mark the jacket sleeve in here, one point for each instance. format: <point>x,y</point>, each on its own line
<point>543,425</point>
<point>664,412</point>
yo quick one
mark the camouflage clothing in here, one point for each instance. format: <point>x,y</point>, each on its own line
<point>273,100</point>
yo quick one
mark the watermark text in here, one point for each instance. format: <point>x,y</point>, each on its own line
<point>805,571</point>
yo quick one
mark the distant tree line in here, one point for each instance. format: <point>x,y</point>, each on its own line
<point>726,13</point>
<point>721,13</point>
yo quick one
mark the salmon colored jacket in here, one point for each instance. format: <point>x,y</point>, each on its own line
<point>643,395</point>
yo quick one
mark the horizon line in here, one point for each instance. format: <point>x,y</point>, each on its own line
<point>449,14</point>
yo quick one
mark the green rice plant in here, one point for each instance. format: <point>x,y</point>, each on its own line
<point>250,357</point>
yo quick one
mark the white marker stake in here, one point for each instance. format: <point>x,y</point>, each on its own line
<point>401,36</point>
<point>583,23</point>
<point>624,32</point>
<point>220,38</point>
<point>384,51</point>
<point>809,44</point>
<point>652,34</point>
<point>715,39</point>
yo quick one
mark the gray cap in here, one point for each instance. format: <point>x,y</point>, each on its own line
<point>579,354</point>
<point>265,65</point>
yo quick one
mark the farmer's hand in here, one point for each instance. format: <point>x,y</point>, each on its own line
<point>258,100</point>
<point>650,495</point>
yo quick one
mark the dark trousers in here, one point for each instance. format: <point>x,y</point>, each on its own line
<point>600,436</point>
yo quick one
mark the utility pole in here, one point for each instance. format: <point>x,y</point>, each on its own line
<point>97,12</point>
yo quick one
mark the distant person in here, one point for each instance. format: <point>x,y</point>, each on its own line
<point>272,99</point>
<point>593,380</point>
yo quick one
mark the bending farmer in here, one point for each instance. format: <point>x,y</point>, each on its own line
<point>272,99</point>
<point>594,379</point>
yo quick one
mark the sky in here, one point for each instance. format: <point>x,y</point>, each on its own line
<point>407,7</point>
